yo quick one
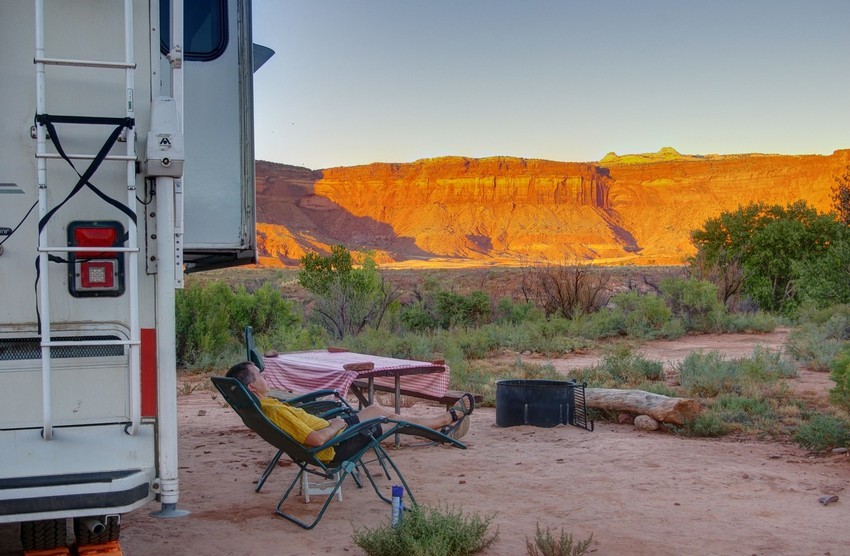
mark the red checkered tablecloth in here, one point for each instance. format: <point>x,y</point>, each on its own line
<point>306,371</point>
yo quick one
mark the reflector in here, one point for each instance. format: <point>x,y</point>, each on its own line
<point>96,273</point>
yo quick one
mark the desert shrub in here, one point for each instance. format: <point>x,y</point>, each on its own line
<point>695,302</point>
<point>753,323</point>
<point>566,289</point>
<point>509,311</point>
<point>545,544</point>
<point>644,316</point>
<point>597,326</point>
<point>767,364</point>
<point>481,377</point>
<point>658,387</point>
<point>704,424</point>
<point>429,532</point>
<point>708,374</point>
<point>629,368</point>
<point>823,432</point>
<point>417,318</point>
<point>210,319</point>
<point>840,373</point>
<point>816,343</point>
<point>454,309</point>
<point>746,412</point>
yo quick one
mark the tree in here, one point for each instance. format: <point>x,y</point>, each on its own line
<point>348,298</point>
<point>769,243</point>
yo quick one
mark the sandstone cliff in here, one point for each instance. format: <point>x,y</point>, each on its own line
<point>625,209</point>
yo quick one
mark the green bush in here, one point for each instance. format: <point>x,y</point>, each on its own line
<point>429,532</point>
<point>708,374</point>
<point>744,411</point>
<point>753,323</point>
<point>417,318</point>
<point>815,344</point>
<point>210,319</point>
<point>705,424</point>
<point>840,373</point>
<point>642,316</point>
<point>511,312</point>
<point>545,544</point>
<point>765,365</point>
<point>462,310</point>
<point>629,368</point>
<point>823,432</point>
<point>695,302</point>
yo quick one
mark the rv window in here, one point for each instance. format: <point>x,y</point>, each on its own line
<point>204,28</point>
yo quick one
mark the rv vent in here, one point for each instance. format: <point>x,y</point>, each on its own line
<point>14,349</point>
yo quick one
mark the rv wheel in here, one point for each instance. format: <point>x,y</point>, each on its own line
<point>44,534</point>
<point>106,529</point>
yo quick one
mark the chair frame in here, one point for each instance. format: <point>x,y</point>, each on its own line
<point>247,407</point>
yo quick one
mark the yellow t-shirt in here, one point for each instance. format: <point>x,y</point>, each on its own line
<point>295,422</point>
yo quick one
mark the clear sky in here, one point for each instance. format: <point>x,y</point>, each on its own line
<point>360,81</point>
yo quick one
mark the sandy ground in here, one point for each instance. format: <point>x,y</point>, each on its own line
<point>638,493</point>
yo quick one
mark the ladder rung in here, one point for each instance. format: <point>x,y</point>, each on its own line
<point>124,157</point>
<point>104,249</point>
<point>67,343</point>
<point>84,63</point>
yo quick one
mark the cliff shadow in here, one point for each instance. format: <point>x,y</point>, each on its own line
<point>624,237</point>
<point>288,198</point>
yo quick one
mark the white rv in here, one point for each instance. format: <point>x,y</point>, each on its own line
<point>126,158</point>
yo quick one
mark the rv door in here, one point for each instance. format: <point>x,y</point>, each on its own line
<point>218,179</point>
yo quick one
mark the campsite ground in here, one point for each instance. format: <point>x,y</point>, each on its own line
<point>638,493</point>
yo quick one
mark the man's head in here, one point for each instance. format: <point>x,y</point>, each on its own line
<point>248,374</point>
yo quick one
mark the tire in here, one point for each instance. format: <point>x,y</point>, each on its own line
<point>111,531</point>
<point>44,534</point>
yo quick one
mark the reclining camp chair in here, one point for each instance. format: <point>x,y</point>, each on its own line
<point>248,408</point>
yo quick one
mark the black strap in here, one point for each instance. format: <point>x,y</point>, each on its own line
<point>120,123</point>
<point>48,121</point>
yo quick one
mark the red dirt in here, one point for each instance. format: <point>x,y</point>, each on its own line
<point>638,493</point>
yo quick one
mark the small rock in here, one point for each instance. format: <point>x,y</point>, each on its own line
<point>646,423</point>
<point>839,450</point>
<point>625,418</point>
<point>461,482</point>
<point>828,499</point>
<point>202,412</point>
<point>745,476</point>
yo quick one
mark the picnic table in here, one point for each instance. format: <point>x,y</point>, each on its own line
<point>340,370</point>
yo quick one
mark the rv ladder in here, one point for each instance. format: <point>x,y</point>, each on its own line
<point>124,125</point>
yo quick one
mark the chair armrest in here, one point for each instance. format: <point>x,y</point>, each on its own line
<point>309,396</point>
<point>350,432</point>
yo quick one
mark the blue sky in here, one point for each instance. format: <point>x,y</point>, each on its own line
<point>354,82</point>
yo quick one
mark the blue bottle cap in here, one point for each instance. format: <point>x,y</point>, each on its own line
<point>398,490</point>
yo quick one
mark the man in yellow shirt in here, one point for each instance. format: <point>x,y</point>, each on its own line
<point>313,431</point>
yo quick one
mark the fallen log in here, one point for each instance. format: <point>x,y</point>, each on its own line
<point>661,408</point>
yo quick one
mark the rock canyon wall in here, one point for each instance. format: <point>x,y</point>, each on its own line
<point>634,209</point>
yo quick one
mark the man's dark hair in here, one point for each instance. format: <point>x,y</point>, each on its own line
<point>241,372</point>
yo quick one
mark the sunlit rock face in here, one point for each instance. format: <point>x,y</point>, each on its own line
<point>632,209</point>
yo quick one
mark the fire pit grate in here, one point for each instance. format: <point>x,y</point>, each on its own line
<point>541,403</point>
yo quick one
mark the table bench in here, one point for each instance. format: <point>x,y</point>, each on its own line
<point>360,388</point>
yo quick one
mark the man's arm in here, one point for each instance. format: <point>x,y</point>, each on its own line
<point>319,437</point>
